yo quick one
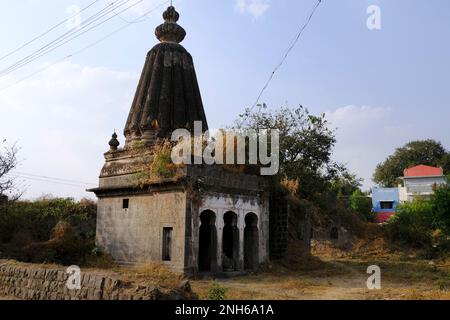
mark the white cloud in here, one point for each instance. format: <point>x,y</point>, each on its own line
<point>62,119</point>
<point>366,136</point>
<point>256,8</point>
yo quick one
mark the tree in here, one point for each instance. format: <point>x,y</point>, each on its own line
<point>306,145</point>
<point>362,205</point>
<point>425,152</point>
<point>345,183</point>
<point>441,207</point>
<point>8,161</point>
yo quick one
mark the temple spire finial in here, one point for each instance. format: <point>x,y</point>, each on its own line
<point>170,31</point>
<point>114,143</point>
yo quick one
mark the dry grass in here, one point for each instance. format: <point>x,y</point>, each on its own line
<point>341,275</point>
<point>150,273</point>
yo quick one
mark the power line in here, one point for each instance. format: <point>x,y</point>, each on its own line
<point>286,54</point>
<point>49,181</point>
<point>56,46</point>
<point>48,31</point>
<point>73,33</point>
<point>139,19</point>
<point>53,178</point>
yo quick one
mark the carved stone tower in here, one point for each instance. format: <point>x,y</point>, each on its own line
<point>168,96</point>
<point>210,219</point>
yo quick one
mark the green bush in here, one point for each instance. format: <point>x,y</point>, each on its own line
<point>217,292</point>
<point>362,204</point>
<point>48,230</point>
<point>413,224</point>
<point>441,207</point>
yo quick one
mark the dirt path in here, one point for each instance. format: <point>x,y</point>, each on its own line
<point>339,279</point>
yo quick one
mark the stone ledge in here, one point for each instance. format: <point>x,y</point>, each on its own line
<point>33,282</point>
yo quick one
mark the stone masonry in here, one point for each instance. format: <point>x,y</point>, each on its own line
<point>40,283</point>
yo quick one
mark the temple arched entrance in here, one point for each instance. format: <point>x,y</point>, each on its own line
<point>251,241</point>
<point>230,242</point>
<point>207,248</point>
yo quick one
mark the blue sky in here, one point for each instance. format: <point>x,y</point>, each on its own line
<point>380,88</point>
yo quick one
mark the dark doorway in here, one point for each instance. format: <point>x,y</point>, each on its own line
<point>251,241</point>
<point>167,244</point>
<point>207,249</point>
<point>334,233</point>
<point>230,241</point>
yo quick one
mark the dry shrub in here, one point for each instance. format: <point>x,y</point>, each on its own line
<point>65,247</point>
<point>290,185</point>
<point>152,273</point>
<point>298,259</point>
<point>160,167</point>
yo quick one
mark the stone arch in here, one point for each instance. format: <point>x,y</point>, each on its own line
<point>207,246</point>
<point>251,241</point>
<point>230,241</point>
<point>334,233</point>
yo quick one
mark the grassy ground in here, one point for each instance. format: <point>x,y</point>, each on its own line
<point>333,276</point>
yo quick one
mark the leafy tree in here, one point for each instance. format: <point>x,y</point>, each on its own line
<point>306,145</point>
<point>345,183</point>
<point>361,204</point>
<point>441,206</point>
<point>426,152</point>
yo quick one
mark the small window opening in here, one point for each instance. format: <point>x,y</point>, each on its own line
<point>167,244</point>
<point>387,205</point>
<point>126,203</point>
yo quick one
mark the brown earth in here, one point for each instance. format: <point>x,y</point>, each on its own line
<point>335,275</point>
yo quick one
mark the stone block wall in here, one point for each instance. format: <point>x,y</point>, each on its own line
<point>31,282</point>
<point>278,231</point>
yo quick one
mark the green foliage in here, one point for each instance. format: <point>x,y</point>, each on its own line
<point>306,145</point>
<point>413,224</point>
<point>217,292</point>
<point>424,223</point>
<point>426,152</point>
<point>307,171</point>
<point>48,230</point>
<point>441,207</point>
<point>362,205</point>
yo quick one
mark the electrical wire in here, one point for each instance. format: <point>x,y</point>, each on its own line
<point>139,19</point>
<point>286,54</point>
<point>48,31</point>
<point>70,35</point>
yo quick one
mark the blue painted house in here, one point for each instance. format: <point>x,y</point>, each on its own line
<point>385,202</point>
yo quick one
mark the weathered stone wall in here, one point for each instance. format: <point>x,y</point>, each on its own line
<point>39,283</point>
<point>279,218</point>
<point>134,235</point>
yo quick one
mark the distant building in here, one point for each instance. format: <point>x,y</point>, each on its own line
<point>420,181</point>
<point>385,202</point>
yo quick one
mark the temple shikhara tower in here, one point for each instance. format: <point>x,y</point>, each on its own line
<point>210,219</point>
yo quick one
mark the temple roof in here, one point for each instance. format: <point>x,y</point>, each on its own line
<point>168,96</point>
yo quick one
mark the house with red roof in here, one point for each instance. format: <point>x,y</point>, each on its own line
<point>420,181</point>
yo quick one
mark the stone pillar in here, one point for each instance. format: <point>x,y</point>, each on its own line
<point>219,228</point>
<point>241,226</point>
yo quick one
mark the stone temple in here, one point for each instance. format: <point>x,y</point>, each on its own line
<point>210,220</point>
